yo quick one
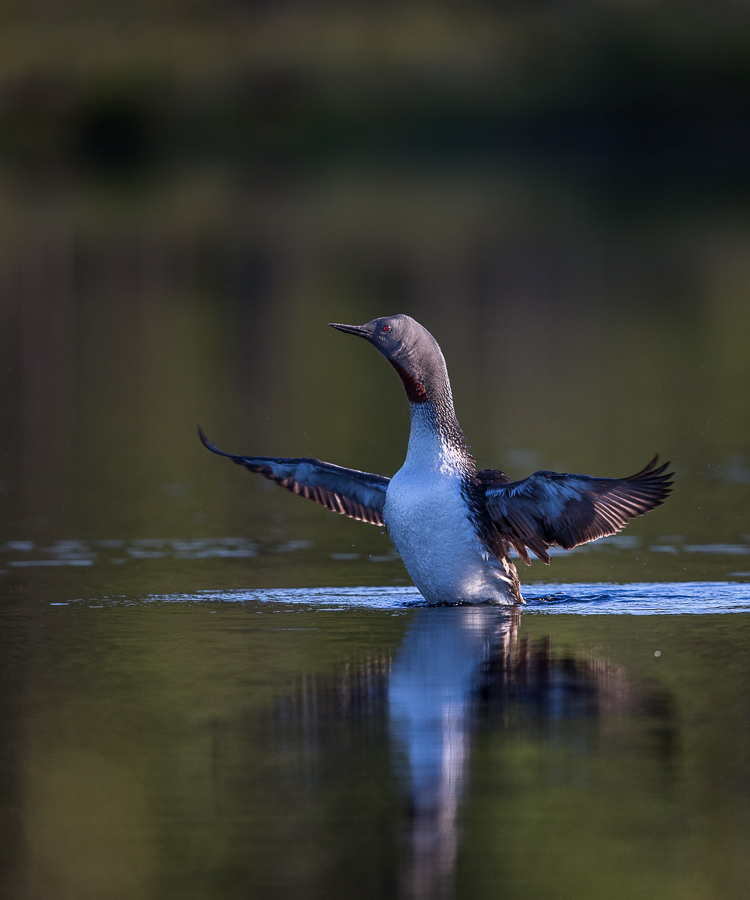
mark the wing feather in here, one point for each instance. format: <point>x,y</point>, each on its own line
<point>567,510</point>
<point>348,492</point>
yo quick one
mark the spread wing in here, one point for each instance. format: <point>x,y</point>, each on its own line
<point>549,508</point>
<point>358,495</point>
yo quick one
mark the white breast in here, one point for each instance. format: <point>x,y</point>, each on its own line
<point>428,519</point>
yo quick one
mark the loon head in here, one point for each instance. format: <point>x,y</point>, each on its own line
<point>411,350</point>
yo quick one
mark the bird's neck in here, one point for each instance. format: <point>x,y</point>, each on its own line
<point>436,438</point>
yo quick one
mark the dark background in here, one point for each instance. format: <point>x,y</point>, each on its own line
<point>189,191</point>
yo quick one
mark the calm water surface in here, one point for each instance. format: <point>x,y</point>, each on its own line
<point>349,741</point>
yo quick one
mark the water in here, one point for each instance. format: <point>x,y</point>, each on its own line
<point>642,599</point>
<point>314,743</point>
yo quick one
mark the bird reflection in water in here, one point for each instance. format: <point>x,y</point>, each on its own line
<point>431,700</point>
<point>458,667</point>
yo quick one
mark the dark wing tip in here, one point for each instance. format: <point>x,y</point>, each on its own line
<point>656,477</point>
<point>651,469</point>
<point>209,446</point>
<point>205,441</point>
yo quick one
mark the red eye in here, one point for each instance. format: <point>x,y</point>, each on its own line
<point>386,327</point>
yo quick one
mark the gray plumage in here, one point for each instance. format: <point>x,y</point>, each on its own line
<point>452,524</point>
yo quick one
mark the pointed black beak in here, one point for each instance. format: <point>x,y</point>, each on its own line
<point>360,330</point>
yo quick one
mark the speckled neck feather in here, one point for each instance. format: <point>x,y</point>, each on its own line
<point>425,378</point>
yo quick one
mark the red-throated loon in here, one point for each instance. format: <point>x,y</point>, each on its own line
<point>452,525</point>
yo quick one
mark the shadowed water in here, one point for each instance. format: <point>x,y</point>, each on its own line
<point>313,743</point>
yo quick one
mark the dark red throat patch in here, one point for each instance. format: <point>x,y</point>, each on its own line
<point>415,390</point>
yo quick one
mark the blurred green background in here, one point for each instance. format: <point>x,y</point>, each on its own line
<point>189,191</point>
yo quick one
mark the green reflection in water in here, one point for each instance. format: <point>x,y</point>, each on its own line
<point>221,749</point>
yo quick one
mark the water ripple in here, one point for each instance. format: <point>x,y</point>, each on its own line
<point>638,599</point>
